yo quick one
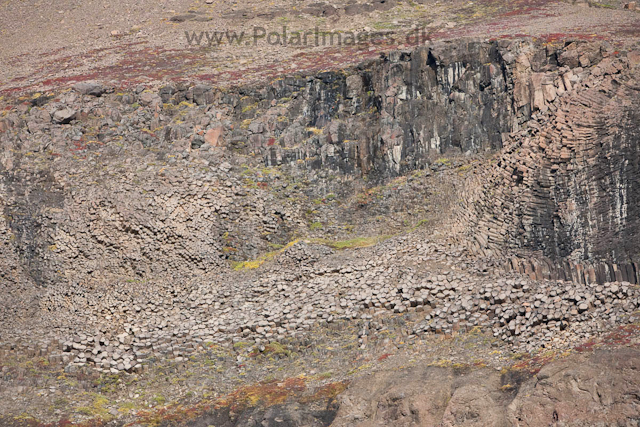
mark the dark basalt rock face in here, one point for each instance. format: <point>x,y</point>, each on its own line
<point>123,213</point>
<point>566,187</point>
<point>593,207</point>
<point>285,415</point>
<point>392,115</point>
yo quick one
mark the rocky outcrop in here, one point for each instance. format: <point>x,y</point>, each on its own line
<point>150,226</point>
<point>128,325</point>
<point>218,176</point>
<point>385,118</point>
<point>394,115</point>
<point>565,185</point>
<point>598,389</point>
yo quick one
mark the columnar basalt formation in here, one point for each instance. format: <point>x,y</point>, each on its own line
<point>393,115</point>
<point>565,186</point>
<point>386,118</point>
<point>486,186</point>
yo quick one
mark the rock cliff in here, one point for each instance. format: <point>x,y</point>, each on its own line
<point>149,227</point>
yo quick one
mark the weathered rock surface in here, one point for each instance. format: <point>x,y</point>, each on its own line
<point>145,227</point>
<point>564,188</point>
<point>385,118</point>
<point>76,225</point>
<point>596,390</point>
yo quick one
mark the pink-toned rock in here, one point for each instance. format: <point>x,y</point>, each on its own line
<point>537,95</point>
<point>566,79</point>
<point>149,98</point>
<point>23,107</point>
<point>634,57</point>
<point>212,137</point>
<point>521,93</point>
<point>584,61</point>
<point>632,5</point>
<point>181,145</point>
<point>549,91</point>
<point>559,86</point>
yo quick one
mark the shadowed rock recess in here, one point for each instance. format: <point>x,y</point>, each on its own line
<point>446,235</point>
